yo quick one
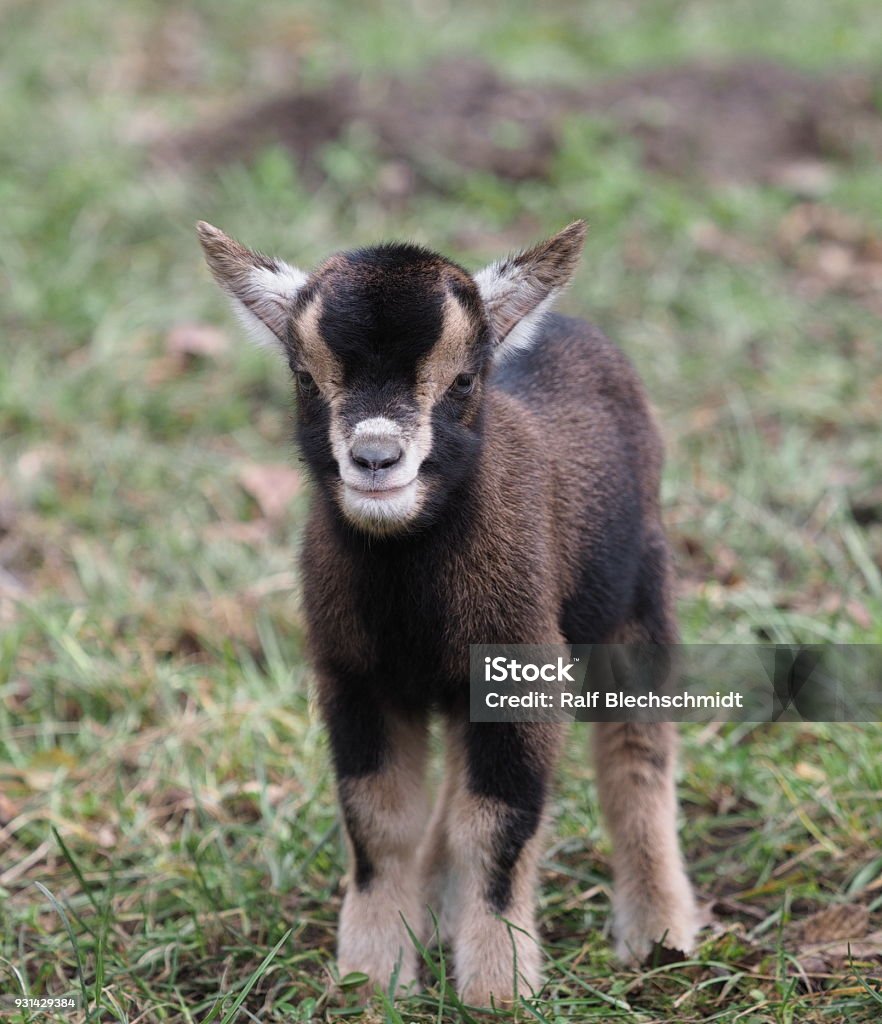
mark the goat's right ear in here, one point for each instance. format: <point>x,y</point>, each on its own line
<point>262,289</point>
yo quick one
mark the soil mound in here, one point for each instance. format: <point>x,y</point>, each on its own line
<point>746,121</point>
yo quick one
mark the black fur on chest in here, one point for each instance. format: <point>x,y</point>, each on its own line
<point>386,615</point>
<point>419,650</point>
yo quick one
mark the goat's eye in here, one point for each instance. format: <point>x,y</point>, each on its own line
<point>464,384</point>
<point>306,383</point>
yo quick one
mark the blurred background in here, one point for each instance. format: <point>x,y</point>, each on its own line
<point>161,772</point>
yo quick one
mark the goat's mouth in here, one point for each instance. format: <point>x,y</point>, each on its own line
<point>378,508</point>
<point>379,493</point>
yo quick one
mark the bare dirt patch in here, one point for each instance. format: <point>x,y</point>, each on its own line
<point>751,120</point>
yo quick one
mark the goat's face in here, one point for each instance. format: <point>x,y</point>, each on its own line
<point>390,348</point>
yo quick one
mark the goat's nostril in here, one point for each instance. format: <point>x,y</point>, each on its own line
<point>376,454</point>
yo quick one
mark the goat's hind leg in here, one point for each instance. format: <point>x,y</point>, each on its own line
<point>636,765</point>
<point>653,901</point>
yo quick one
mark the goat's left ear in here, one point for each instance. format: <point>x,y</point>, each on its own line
<point>262,289</point>
<point>519,289</point>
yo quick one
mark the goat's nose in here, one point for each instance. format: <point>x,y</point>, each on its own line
<point>376,454</point>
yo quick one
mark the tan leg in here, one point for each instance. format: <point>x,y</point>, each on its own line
<point>385,815</point>
<point>497,954</point>
<point>653,899</point>
<point>499,776</point>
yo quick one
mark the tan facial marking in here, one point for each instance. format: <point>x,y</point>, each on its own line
<point>449,355</point>
<point>319,359</point>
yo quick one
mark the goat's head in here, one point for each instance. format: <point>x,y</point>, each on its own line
<point>390,348</point>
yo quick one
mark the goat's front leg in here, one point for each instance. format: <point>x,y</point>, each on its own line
<point>653,899</point>
<point>380,763</point>
<point>493,834</point>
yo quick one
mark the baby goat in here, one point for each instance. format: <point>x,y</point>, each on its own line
<point>485,472</point>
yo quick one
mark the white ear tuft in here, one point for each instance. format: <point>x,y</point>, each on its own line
<point>262,289</point>
<point>519,290</point>
<point>526,330</point>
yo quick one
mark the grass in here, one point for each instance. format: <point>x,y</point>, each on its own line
<point>168,839</point>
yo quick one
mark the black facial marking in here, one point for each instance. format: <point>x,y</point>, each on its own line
<point>313,432</point>
<point>383,398</point>
<point>383,312</point>
<point>456,444</point>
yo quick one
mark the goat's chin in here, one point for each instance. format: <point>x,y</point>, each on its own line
<point>382,512</point>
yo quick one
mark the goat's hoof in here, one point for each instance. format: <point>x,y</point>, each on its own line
<point>479,995</point>
<point>658,945</point>
<point>486,992</point>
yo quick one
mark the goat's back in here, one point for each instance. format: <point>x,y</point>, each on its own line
<point>582,395</point>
